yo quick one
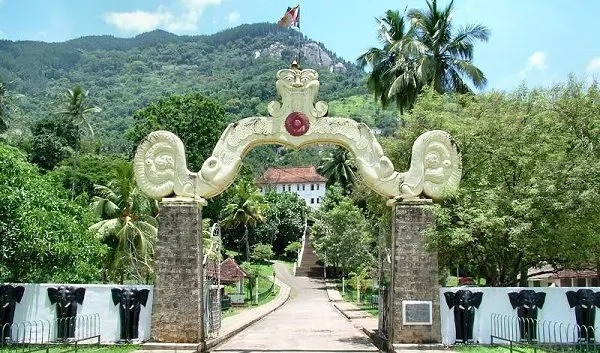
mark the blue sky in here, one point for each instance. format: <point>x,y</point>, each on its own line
<point>538,42</point>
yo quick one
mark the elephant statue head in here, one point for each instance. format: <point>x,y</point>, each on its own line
<point>463,299</point>
<point>128,298</point>
<point>584,298</point>
<point>66,299</point>
<point>527,299</point>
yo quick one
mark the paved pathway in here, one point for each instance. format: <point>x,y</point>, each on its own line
<point>307,323</point>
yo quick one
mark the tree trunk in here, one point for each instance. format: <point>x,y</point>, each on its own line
<point>247,243</point>
<point>523,278</point>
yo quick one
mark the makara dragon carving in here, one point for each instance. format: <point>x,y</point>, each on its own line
<point>161,170</point>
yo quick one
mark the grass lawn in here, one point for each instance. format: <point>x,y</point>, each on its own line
<point>113,348</point>
<point>350,296</point>
<point>468,348</point>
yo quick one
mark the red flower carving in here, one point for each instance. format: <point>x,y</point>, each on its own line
<point>297,124</point>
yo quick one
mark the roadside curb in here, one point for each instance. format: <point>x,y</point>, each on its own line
<point>285,292</point>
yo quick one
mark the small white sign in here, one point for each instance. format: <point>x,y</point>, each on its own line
<point>417,312</point>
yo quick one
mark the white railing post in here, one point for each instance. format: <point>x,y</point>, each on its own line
<point>301,252</point>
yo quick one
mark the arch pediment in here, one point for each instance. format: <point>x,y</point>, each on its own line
<point>296,121</point>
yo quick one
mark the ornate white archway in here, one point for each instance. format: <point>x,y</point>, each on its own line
<point>161,170</point>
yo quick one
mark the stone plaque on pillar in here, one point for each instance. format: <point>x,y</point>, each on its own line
<point>177,306</point>
<point>414,275</point>
<point>417,312</point>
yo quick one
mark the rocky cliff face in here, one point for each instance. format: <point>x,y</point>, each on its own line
<point>311,55</point>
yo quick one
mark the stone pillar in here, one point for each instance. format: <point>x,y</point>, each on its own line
<point>177,305</point>
<point>414,276</point>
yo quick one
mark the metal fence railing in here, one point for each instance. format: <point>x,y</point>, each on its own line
<point>41,335</point>
<point>543,335</point>
<point>265,294</point>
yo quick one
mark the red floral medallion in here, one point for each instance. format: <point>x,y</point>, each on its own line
<point>297,124</point>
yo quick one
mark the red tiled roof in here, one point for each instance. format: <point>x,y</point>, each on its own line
<point>291,175</point>
<point>230,271</point>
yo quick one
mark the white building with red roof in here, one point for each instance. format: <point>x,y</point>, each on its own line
<point>304,181</point>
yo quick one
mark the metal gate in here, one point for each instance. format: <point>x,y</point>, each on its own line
<point>212,282</point>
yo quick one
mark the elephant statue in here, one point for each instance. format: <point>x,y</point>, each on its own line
<point>130,301</point>
<point>9,297</point>
<point>527,302</point>
<point>585,302</point>
<point>464,303</point>
<point>66,299</point>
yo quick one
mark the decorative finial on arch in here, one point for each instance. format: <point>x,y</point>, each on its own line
<point>298,90</point>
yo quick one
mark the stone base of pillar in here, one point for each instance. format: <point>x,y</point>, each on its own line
<point>177,304</point>
<point>414,283</point>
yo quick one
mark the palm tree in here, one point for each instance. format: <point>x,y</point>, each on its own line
<point>428,53</point>
<point>446,56</point>
<point>339,168</point>
<point>128,224</point>
<point>392,63</point>
<point>3,109</point>
<point>77,108</point>
<point>245,209</point>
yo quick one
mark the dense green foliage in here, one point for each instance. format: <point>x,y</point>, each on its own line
<point>197,121</point>
<point>342,235</point>
<point>262,252</point>
<point>529,193</point>
<point>125,75</point>
<point>44,234</point>
<point>284,216</point>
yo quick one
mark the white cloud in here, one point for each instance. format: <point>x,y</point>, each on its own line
<point>594,65</point>
<point>538,61</point>
<point>186,19</point>
<point>138,21</point>
<point>233,17</point>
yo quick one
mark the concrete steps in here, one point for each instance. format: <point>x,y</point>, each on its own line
<point>309,266</point>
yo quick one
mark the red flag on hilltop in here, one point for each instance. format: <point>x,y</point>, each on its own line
<point>291,18</point>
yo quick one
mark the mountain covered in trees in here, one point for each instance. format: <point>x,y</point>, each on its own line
<point>236,67</point>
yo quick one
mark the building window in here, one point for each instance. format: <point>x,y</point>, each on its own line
<point>581,282</point>
<point>565,282</point>
<point>318,188</point>
<point>312,200</point>
<point>297,187</point>
<point>318,200</point>
<point>303,187</point>
<point>536,283</point>
<point>289,187</point>
<point>312,187</point>
<point>594,282</point>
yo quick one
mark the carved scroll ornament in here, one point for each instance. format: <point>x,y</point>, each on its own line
<point>161,170</point>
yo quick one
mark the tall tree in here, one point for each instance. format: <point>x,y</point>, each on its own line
<point>393,63</point>
<point>246,209</point>
<point>77,108</point>
<point>3,109</point>
<point>445,56</point>
<point>429,53</point>
<point>339,168</point>
<point>128,225</point>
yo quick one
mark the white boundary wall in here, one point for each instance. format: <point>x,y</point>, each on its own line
<point>35,305</point>
<point>495,301</point>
